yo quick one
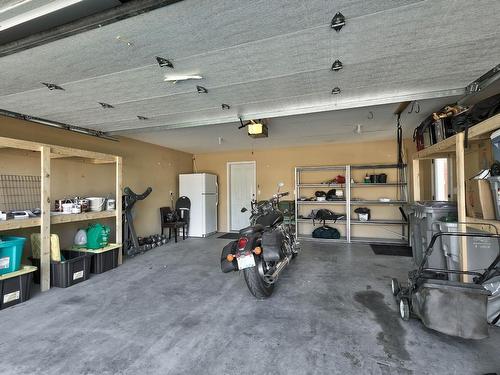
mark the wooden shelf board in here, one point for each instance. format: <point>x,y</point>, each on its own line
<point>110,246</point>
<point>54,219</point>
<point>23,270</point>
<point>69,218</point>
<point>19,223</point>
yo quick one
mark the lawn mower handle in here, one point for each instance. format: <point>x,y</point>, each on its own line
<point>434,238</point>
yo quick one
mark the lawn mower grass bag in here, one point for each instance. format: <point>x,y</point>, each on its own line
<point>326,232</point>
<point>452,307</point>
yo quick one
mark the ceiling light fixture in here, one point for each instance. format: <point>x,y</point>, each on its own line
<point>337,65</point>
<point>225,106</point>
<point>52,86</point>
<point>164,63</point>
<point>143,118</point>
<point>180,77</point>
<point>336,91</point>
<point>201,90</point>
<point>338,21</point>
<point>105,105</point>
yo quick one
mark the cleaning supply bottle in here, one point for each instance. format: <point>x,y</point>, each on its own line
<point>97,236</point>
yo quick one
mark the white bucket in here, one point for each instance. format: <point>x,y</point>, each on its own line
<point>96,203</point>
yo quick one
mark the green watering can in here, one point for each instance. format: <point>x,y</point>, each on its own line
<point>97,236</point>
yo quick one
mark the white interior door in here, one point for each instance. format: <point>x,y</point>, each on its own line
<point>241,187</point>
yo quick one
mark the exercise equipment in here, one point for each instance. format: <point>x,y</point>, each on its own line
<point>131,244</point>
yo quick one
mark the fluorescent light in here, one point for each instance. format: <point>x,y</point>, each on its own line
<point>180,77</point>
<point>14,5</point>
<point>43,10</point>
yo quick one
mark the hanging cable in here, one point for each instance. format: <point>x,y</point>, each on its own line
<point>400,141</point>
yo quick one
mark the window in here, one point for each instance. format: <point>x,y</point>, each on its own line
<point>441,179</point>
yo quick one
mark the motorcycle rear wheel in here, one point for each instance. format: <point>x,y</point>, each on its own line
<point>256,284</point>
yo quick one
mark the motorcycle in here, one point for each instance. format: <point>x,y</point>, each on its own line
<point>264,248</point>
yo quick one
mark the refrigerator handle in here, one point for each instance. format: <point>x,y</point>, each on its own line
<point>217,192</point>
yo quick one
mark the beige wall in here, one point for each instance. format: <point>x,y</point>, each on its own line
<point>144,165</point>
<point>278,165</point>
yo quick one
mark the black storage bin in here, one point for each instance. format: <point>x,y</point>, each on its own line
<point>73,270</point>
<point>105,261</point>
<point>17,289</point>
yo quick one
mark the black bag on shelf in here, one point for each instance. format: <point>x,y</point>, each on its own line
<point>326,232</point>
<point>325,214</point>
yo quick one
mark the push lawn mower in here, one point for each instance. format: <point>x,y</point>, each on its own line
<point>451,307</point>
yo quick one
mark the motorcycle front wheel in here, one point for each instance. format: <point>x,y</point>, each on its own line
<point>256,284</point>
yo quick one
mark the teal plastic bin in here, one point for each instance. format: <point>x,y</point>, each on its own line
<point>11,252</point>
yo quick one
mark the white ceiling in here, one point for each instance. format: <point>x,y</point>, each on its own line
<point>263,58</point>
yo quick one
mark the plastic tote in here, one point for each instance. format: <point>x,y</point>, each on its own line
<point>11,252</point>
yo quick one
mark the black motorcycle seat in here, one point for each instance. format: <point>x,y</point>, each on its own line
<point>257,228</point>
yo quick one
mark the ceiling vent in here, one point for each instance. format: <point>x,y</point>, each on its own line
<point>338,21</point>
<point>337,65</point>
<point>52,86</point>
<point>201,90</point>
<point>105,105</point>
<point>164,63</point>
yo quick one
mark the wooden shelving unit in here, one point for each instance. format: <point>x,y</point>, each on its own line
<point>47,153</point>
<point>348,203</point>
<point>453,147</point>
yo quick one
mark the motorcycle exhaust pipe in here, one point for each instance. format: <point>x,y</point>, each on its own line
<point>271,278</point>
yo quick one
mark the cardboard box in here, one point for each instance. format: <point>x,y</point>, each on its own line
<point>478,199</point>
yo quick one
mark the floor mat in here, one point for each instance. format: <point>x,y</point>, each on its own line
<point>398,250</point>
<point>230,236</point>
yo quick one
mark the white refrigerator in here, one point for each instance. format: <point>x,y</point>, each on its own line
<point>203,191</point>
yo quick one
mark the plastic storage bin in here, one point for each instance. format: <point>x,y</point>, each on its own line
<point>495,194</point>
<point>104,261</point>
<point>15,287</point>
<point>480,251</point>
<point>74,269</point>
<point>427,214</point>
<point>11,252</point>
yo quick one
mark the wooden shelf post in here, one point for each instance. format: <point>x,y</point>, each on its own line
<point>118,193</point>
<point>45,219</point>
<point>416,180</point>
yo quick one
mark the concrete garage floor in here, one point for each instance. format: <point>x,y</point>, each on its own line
<point>171,311</point>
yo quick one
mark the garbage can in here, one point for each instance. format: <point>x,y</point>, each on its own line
<point>427,215</point>
<point>495,193</point>
<point>481,251</point>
